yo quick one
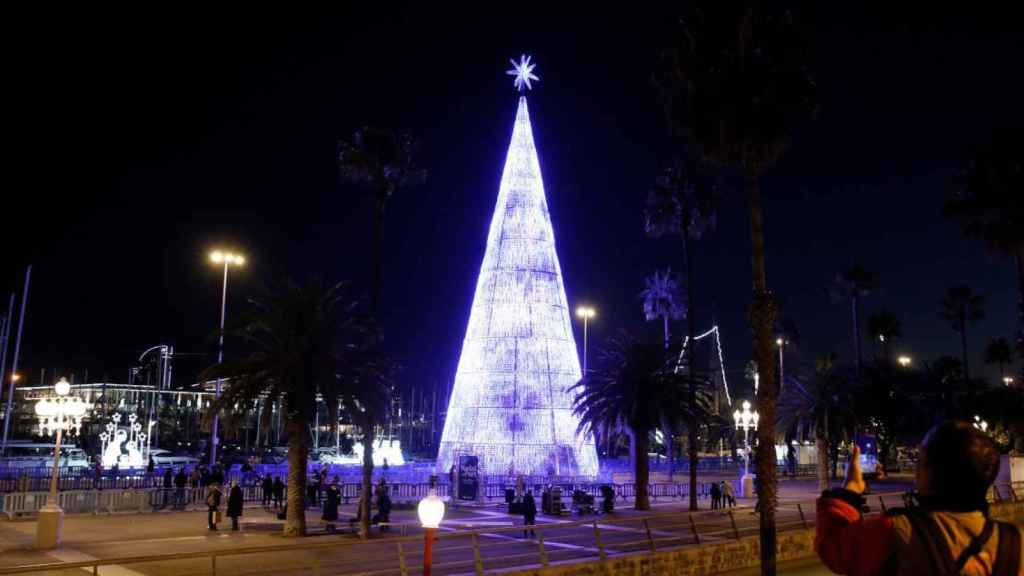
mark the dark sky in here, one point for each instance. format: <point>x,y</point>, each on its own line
<point>138,141</point>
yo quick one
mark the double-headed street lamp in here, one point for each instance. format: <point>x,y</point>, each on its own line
<point>746,420</point>
<point>904,360</point>
<point>228,259</point>
<point>585,313</point>
<point>980,424</point>
<point>58,414</point>
<point>431,512</point>
<point>1008,380</point>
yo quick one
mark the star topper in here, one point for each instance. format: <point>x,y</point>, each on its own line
<point>523,71</point>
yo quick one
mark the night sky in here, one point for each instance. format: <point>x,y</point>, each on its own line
<point>136,142</point>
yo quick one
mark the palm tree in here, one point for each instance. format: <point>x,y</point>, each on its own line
<point>815,402</point>
<point>962,308</point>
<point>998,351</point>
<point>662,299</point>
<point>851,286</point>
<point>384,162</point>
<point>679,206</point>
<point>989,205</point>
<point>636,386</point>
<point>735,81</point>
<point>292,335</point>
<point>884,327</point>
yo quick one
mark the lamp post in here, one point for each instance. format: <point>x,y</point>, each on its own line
<point>59,413</point>
<point>586,313</point>
<point>980,424</point>
<point>746,421</point>
<point>904,361</point>
<point>227,259</point>
<point>431,512</point>
<point>781,343</point>
<point>1008,380</point>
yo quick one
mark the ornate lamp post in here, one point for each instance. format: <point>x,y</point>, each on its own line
<point>746,420</point>
<point>431,512</point>
<point>60,413</point>
<point>980,424</point>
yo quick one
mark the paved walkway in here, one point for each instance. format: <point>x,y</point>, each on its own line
<point>118,536</point>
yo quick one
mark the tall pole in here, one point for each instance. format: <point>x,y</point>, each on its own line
<point>428,548</point>
<point>4,337</point>
<point>220,359</point>
<point>14,363</point>
<point>782,379</point>
<point>584,346</point>
<point>56,469</point>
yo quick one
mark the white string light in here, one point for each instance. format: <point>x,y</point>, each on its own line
<point>721,357</point>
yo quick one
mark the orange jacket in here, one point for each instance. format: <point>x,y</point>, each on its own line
<point>848,543</point>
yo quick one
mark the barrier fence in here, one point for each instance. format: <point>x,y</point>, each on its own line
<point>492,549</point>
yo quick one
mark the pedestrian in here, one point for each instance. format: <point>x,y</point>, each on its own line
<point>529,513</point>
<point>948,532</point>
<point>168,478</point>
<point>97,475</point>
<point>716,496</point>
<point>268,491</point>
<point>150,467</point>
<point>213,506</point>
<point>179,488</point>
<point>330,512</point>
<point>235,502</point>
<point>278,492</point>
<point>727,494</point>
<point>384,507</point>
<point>194,478</point>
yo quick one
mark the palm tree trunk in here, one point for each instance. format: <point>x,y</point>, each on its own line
<point>762,315</point>
<point>691,424</point>
<point>641,468</point>
<point>668,429</point>
<point>856,332</point>
<point>378,256</point>
<point>963,345</point>
<point>298,446</point>
<point>821,446</point>
<point>366,496</point>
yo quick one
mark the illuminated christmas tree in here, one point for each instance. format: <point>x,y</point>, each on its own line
<point>511,405</point>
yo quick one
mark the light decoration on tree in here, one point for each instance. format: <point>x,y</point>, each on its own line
<point>511,405</point>
<point>125,447</point>
<point>721,359</point>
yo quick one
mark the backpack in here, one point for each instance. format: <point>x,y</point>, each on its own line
<point>924,528</point>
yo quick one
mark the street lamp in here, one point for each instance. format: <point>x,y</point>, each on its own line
<point>60,413</point>
<point>746,421</point>
<point>980,424</point>
<point>1008,380</point>
<point>586,313</point>
<point>781,343</point>
<point>227,259</point>
<point>431,512</point>
<point>904,361</point>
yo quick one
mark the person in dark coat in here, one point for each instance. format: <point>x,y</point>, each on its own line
<point>278,492</point>
<point>332,497</point>
<point>213,506</point>
<point>716,496</point>
<point>179,488</point>
<point>235,504</point>
<point>529,513</point>
<point>268,490</point>
<point>383,507</point>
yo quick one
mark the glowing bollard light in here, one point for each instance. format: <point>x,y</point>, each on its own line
<point>431,512</point>
<point>60,413</point>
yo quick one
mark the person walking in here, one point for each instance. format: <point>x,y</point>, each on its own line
<point>727,494</point>
<point>529,513</point>
<point>268,491</point>
<point>330,512</point>
<point>384,507</point>
<point>179,489</point>
<point>716,496</point>
<point>150,467</point>
<point>235,502</point>
<point>213,506</point>
<point>278,492</point>
<point>949,531</point>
